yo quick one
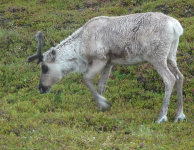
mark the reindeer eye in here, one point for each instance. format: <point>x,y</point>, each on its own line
<point>44,69</point>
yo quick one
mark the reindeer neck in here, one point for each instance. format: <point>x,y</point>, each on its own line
<point>69,53</point>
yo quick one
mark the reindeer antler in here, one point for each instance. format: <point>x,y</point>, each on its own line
<point>38,55</point>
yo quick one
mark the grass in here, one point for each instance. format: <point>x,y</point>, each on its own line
<point>67,118</point>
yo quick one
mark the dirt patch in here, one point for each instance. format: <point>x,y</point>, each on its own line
<point>4,22</point>
<point>183,11</point>
<point>90,4</point>
<point>162,8</point>
<point>15,9</point>
<point>188,12</point>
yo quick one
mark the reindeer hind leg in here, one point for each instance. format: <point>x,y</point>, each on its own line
<point>172,65</point>
<point>169,81</point>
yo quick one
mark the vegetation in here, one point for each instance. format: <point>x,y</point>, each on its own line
<point>68,118</point>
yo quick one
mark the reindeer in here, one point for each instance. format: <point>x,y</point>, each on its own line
<point>124,40</point>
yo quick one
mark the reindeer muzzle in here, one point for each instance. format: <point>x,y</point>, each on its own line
<point>44,89</point>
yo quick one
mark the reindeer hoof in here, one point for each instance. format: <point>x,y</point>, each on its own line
<point>181,117</point>
<point>162,120</point>
<point>103,104</point>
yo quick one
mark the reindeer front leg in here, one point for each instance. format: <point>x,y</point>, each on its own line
<point>105,73</point>
<point>94,68</point>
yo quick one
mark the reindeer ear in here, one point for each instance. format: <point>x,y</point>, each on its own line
<point>53,52</point>
<point>50,57</point>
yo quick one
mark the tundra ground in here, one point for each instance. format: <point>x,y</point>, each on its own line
<point>67,118</point>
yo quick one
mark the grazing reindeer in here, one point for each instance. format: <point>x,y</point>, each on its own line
<point>106,41</point>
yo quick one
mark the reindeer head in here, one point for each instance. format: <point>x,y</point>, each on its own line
<point>50,70</point>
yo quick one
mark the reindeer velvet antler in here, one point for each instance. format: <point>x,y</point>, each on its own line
<point>38,55</point>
